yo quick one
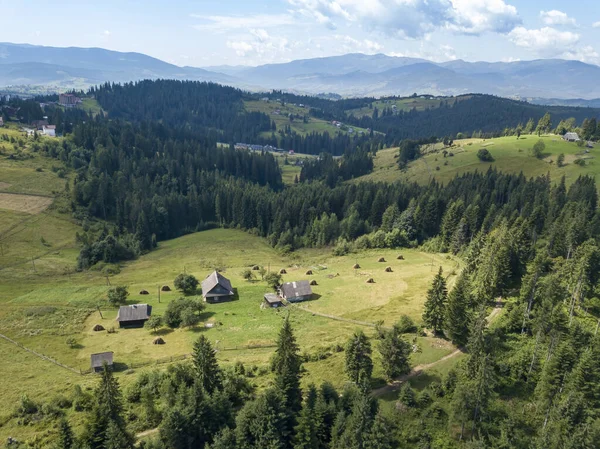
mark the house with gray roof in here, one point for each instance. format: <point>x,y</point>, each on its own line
<point>217,288</point>
<point>571,137</point>
<point>98,360</point>
<point>134,315</point>
<point>296,291</point>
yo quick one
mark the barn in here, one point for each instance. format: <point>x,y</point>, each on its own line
<point>98,360</point>
<point>135,315</point>
<point>296,291</point>
<point>217,288</point>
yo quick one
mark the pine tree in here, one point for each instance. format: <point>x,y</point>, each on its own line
<point>263,423</point>
<point>208,373</point>
<point>381,435</point>
<point>359,365</point>
<point>142,232</point>
<point>477,344</point>
<point>306,431</point>
<point>116,437</point>
<point>358,425</point>
<point>66,438</point>
<point>286,364</point>
<point>108,409</point>
<point>457,314</point>
<point>395,353</point>
<point>435,304</point>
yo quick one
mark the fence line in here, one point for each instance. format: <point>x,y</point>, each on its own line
<point>41,356</point>
<point>336,318</point>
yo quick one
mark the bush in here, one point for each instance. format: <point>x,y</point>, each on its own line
<point>186,283</point>
<point>342,248</point>
<point>580,162</point>
<point>273,280</point>
<point>405,325</point>
<point>181,311</point>
<point>117,295</point>
<point>155,322</point>
<point>538,149</point>
<point>71,342</point>
<point>484,155</point>
<point>248,274</point>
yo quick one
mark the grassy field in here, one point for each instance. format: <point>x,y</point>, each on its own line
<point>91,106</point>
<point>405,104</point>
<point>43,309</point>
<point>281,119</point>
<point>510,155</point>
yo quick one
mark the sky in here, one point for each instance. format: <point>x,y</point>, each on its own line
<point>205,33</point>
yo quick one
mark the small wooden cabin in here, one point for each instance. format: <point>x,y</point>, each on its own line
<point>296,291</point>
<point>135,315</point>
<point>98,360</point>
<point>217,288</point>
<point>273,300</point>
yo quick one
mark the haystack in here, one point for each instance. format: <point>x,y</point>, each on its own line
<point>370,281</point>
<point>400,257</point>
<point>256,268</point>
<point>98,328</point>
<point>144,292</point>
<point>313,282</point>
<point>381,259</point>
<point>309,273</point>
<point>165,288</point>
<point>158,341</point>
<point>282,271</point>
<point>388,269</point>
<point>356,266</point>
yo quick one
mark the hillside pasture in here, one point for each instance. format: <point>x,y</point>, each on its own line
<point>29,204</point>
<point>419,103</point>
<point>511,155</point>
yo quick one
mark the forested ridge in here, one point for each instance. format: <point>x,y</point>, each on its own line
<point>531,380</point>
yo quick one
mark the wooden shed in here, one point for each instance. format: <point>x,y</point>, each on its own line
<point>217,288</point>
<point>134,316</point>
<point>296,291</point>
<point>98,360</point>
<point>273,300</point>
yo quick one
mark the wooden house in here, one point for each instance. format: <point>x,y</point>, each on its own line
<point>217,288</point>
<point>135,315</point>
<point>296,291</point>
<point>98,361</point>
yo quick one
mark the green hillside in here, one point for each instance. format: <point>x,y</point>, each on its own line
<point>419,103</point>
<point>510,155</point>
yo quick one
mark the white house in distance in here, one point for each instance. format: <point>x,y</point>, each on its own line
<point>571,137</point>
<point>49,130</point>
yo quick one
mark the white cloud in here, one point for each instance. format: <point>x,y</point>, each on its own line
<point>426,51</point>
<point>106,33</point>
<point>596,25</point>
<point>555,17</point>
<point>259,47</point>
<point>351,45</point>
<point>227,23</point>
<point>547,42</point>
<point>413,19</point>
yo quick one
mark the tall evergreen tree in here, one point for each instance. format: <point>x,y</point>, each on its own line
<point>381,435</point>
<point>457,313</point>
<point>286,364</point>
<point>66,439</point>
<point>435,304</point>
<point>395,353</point>
<point>359,365</point>
<point>306,436</point>
<point>208,373</point>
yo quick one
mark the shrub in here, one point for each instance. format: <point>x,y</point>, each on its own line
<point>342,248</point>
<point>186,283</point>
<point>155,322</point>
<point>248,274</point>
<point>273,280</point>
<point>117,295</point>
<point>180,311</point>
<point>71,342</point>
<point>580,162</point>
<point>405,325</point>
<point>538,149</point>
<point>484,155</point>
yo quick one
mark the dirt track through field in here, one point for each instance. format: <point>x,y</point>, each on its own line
<point>417,370</point>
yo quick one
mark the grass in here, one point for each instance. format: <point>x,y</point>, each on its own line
<point>91,106</point>
<point>406,104</point>
<point>282,120</point>
<point>510,156</point>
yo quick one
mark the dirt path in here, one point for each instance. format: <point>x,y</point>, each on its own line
<point>146,433</point>
<point>417,370</point>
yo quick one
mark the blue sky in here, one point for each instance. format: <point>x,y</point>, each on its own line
<point>251,32</point>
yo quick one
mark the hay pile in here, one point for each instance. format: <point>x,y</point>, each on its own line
<point>158,341</point>
<point>381,259</point>
<point>144,292</point>
<point>98,328</point>
<point>388,269</point>
<point>165,288</point>
<point>282,271</point>
<point>370,281</point>
<point>256,268</point>
<point>309,273</point>
<point>313,282</point>
<point>356,266</point>
<point>400,257</point>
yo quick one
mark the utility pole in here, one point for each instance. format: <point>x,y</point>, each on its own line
<point>98,307</point>
<point>158,294</point>
<point>33,263</point>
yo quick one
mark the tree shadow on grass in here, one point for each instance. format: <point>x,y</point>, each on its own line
<point>120,367</point>
<point>423,380</point>
<point>162,331</point>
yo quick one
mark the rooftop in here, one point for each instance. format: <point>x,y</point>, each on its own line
<point>99,359</point>
<point>214,279</point>
<point>134,312</point>
<point>296,289</point>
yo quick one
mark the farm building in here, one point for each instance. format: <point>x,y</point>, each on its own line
<point>571,137</point>
<point>134,316</point>
<point>216,288</point>
<point>296,291</point>
<point>49,130</point>
<point>273,300</point>
<point>98,361</point>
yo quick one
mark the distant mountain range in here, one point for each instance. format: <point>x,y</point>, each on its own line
<point>348,75</point>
